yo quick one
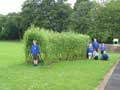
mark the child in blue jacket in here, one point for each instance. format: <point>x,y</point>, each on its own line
<point>35,52</point>
<point>103,48</point>
<point>104,56</point>
<point>90,51</point>
<point>95,45</point>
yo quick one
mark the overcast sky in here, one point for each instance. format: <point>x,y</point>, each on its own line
<point>7,6</point>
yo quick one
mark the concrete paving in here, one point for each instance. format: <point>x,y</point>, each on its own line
<point>114,81</point>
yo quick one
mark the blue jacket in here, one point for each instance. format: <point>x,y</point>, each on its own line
<point>35,50</point>
<point>103,48</point>
<point>104,57</point>
<point>95,45</point>
<point>89,50</point>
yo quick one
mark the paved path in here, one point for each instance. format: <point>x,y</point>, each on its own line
<point>114,81</point>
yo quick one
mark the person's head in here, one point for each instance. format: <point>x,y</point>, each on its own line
<point>103,44</point>
<point>34,42</point>
<point>95,39</point>
<point>104,52</point>
<point>90,45</point>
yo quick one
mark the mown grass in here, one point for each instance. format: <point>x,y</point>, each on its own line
<point>15,74</point>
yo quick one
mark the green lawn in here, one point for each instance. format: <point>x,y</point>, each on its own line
<point>77,75</point>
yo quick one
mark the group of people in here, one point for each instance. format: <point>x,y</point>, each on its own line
<point>93,51</point>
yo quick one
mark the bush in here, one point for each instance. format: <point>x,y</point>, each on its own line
<point>56,46</point>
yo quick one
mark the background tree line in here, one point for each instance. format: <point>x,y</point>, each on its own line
<point>100,21</point>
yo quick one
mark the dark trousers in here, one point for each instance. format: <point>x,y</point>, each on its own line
<point>96,57</point>
<point>102,52</point>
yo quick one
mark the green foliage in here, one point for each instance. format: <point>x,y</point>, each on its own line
<point>56,46</point>
<point>77,75</point>
<point>34,34</point>
<point>49,14</point>
<point>78,2</point>
<point>105,22</point>
<point>99,21</point>
<point>10,27</point>
<point>80,17</point>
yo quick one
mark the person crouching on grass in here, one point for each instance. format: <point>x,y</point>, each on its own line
<point>104,56</point>
<point>35,52</point>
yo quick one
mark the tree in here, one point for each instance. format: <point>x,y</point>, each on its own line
<point>10,27</point>
<point>80,17</point>
<point>106,23</point>
<point>78,2</point>
<point>49,14</point>
<point>2,20</point>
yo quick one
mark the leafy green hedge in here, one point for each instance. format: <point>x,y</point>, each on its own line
<point>56,46</point>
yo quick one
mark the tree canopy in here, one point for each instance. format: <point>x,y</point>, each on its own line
<point>100,21</point>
